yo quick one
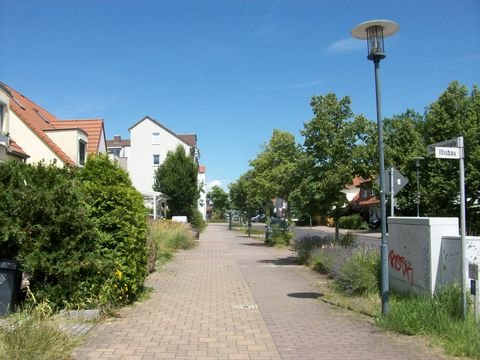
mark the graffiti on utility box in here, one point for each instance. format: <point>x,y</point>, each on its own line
<point>399,263</point>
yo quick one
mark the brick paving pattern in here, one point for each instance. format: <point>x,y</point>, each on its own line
<point>232,298</point>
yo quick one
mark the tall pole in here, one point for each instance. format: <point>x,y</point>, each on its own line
<point>463,225</point>
<point>418,186</point>
<point>384,245</point>
<point>392,192</point>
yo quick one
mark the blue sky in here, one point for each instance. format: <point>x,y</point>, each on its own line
<point>230,71</point>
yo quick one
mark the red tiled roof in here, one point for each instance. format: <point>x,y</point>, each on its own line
<point>93,128</point>
<point>201,169</point>
<point>357,180</point>
<point>16,150</point>
<point>40,121</point>
<point>118,142</point>
<point>189,139</point>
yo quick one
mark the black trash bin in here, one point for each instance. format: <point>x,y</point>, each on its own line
<point>10,285</point>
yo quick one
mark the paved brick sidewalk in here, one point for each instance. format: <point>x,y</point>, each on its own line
<point>232,298</point>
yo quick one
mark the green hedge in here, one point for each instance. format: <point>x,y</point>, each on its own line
<point>353,222</point>
<point>45,224</point>
<point>120,216</point>
<point>80,234</point>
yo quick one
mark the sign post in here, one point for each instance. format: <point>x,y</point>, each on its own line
<point>397,183</point>
<point>454,149</point>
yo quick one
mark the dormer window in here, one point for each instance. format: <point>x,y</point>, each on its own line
<point>82,152</point>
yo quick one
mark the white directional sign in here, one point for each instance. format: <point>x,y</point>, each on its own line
<point>448,153</point>
<point>446,143</point>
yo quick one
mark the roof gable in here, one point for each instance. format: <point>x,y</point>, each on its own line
<point>92,127</point>
<point>186,139</point>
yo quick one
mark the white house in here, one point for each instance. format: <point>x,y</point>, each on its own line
<point>147,149</point>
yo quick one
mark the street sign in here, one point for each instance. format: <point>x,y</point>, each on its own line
<point>448,153</point>
<point>446,143</point>
<point>399,181</point>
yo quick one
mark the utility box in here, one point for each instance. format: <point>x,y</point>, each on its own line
<point>451,269</point>
<point>414,245</point>
<point>10,285</point>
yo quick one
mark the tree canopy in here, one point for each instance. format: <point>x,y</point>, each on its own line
<point>218,198</point>
<point>338,145</point>
<point>177,178</point>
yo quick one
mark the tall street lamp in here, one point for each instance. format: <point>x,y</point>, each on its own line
<point>374,31</point>
<point>417,165</point>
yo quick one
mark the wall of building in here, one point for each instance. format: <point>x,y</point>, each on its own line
<point>30,142</point>
<point>140,158</point>
<point>67,140</point>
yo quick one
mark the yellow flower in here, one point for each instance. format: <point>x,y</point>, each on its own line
<point>119,274</point>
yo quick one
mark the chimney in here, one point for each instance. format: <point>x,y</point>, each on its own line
<point>117,138</point>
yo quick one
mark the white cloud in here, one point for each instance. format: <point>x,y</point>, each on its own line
<point>345,45</point>
<point>213,183</point>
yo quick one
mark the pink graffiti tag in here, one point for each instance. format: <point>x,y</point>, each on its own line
<point>399,263</point>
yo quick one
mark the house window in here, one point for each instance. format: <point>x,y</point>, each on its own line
<point>156,160</point>
<point>155,138</point>
<point>1,118</point>
<point>82,152</point>
<point>114,151</point>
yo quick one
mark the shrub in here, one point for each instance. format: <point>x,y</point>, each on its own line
<point>330,260</point>
<point>46,225</point>
<point>361,273</point>
<point>170,235</point>
<point>197,221</point>
<point>278,236</point>
<point>347,240</point>
<point>120,215</point>
<point>305,244</point>
<point>354,221</point>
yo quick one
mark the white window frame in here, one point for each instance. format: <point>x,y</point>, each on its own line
<point>156,138</point>
<point>153,160</point>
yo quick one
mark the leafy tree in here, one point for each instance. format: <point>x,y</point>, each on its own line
<point>177,178</point>
<point>455,113</point>
<point>275,167</point>
<point>244,194</point>
<point>403,142</point>
<point>219,199</point>
<point>334,141</point>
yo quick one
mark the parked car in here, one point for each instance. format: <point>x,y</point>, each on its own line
<point>258,218</point>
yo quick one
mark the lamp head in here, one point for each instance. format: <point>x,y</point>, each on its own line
<point>374,31</point>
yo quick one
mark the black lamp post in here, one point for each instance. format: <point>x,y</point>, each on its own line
<point>374,31</point>
<point>417,166</point>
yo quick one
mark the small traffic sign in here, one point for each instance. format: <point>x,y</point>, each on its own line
<point>399,181</point>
